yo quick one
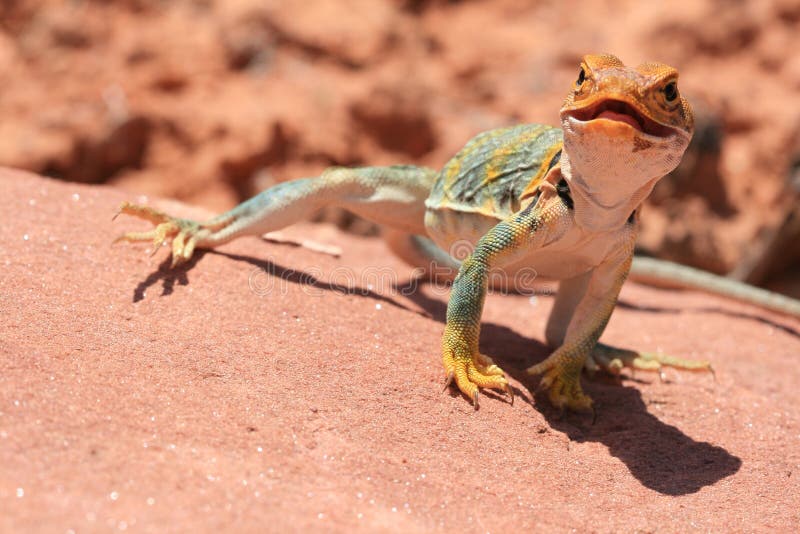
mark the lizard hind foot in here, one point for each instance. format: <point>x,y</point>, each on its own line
<point>613,360</point>
<point>184,233</point>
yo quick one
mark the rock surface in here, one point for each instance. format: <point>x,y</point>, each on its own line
<point>270,387</point>
<point>208,101</point>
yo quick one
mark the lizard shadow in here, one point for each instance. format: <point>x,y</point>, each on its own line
<point>168,275</point>
<point>304,278</point>
<point>657,454</point>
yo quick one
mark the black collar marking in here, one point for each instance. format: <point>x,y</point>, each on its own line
<point>553,162</point>
<point>563,191</point>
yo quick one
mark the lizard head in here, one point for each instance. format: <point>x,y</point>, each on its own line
<point>623,126</point>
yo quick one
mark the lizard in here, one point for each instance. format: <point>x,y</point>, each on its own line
<point>563,201</point>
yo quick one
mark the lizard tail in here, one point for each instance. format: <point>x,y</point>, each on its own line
<point>667,274</point>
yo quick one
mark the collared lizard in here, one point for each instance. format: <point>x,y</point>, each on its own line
<point>563,201</point>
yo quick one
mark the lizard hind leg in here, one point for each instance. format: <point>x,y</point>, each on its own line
<point>613,360</point>
<point>421,252</point>
<point>390,196</point>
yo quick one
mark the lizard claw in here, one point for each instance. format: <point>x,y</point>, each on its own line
<point>510,393</point>
<point>447,381</point>
<point>157,244</point>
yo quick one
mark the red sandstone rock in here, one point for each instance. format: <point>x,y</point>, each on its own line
<point>272,388</point>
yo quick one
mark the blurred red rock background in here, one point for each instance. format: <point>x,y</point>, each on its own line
<point>210,101</point>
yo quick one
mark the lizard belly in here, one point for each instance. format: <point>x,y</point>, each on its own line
<point>551,267</point>
<point>574,253</point>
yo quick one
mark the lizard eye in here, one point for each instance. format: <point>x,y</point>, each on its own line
<point>581,77</point>
<point>671,91</point>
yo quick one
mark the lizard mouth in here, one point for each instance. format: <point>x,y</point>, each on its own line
<point>621,111</point>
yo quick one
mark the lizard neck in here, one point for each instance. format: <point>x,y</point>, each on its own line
<point>604,202</point>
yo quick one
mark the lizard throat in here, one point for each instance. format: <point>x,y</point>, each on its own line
<point>611,170</point>
<point>600,205</point>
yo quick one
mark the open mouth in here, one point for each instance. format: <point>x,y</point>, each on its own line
<point>617,110</point>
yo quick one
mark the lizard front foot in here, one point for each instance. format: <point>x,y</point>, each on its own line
<point>184,233</point>
<point>473,372</point>
<point>561,377</point>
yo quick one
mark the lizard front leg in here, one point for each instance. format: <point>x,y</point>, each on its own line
<point>530,228</point>
<point>562,370</point>
<point>606,357</point>
<point>461,357</point>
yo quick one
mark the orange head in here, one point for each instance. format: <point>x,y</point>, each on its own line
<point>646,97</point>
<point>624,128</point>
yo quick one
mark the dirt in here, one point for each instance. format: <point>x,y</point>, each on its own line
<point>209,101</point>
<point>265,387</point>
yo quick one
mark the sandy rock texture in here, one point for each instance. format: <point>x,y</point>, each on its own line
<point>210,101</point>
<point>265,387</point>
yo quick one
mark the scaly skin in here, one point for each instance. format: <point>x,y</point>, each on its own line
<point>560,201</point>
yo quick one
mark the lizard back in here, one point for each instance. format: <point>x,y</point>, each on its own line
<point>496,170</point>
